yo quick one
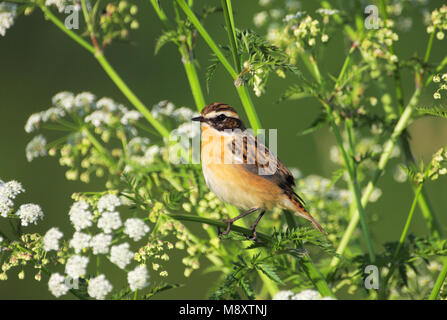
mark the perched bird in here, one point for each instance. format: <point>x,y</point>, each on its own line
<point>242,171</point>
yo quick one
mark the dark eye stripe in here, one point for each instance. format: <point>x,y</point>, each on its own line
<point>227,123</point>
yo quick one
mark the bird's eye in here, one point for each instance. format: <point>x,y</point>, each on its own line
<point>221,117</point>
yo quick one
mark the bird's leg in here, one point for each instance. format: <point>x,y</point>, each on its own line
<point>231,221</point>
<point>254,237</point>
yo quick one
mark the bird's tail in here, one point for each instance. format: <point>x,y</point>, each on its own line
<point>302,212</point>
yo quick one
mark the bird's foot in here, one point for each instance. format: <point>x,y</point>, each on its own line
<point>227,230</point>
<point>254,235</point>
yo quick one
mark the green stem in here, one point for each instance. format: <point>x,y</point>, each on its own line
<point>424,201</point>
<point>408,223</point>
<point>192,17</point>
<point>311,65</point>
<point>308,266</point>
<point>305,260</point>
<point>268,284</point>
<point>130,95</point>
<point>229,20</point>
<point>161,14</point>
<point>439,281</point>
<point>194,84</point>
<point>428,212</point>
<point>360,213</point>
<point>249,108</point>
<point>429,46</point>
<point>219,224</point>
<point>384,157</point>
<point>241,89</point>
<point>110,71</point>
<point>403,237</point>
<point>189,66</point>
<point>357,193</point>
<point>70,33</point>
<point>98,146</point>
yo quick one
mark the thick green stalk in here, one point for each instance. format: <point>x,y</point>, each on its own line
<point>219,224</point>
<point>307,265</point>
<point>189,66</point>
<point>408,223</point>
<point>424,201</point>
<point>384,157</point>
<point>349,164</point>
<point>161,14</point>
<point>252,116</point>
<point>241,89</point>
<point>194,84</point>
<point>69,32</point>
<point>192,17</point>
<point>130,95</point>
<point>403,237</point>
<point>360,213</point>
<point>98,146</point>
<point>357,192</point>
<point>439,281</point>
<point>110,71</point>
<point>231,30</point>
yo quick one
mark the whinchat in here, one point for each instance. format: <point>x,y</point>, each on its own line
<point>242,171</point>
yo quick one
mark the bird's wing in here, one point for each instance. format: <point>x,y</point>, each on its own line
<point>258,159</point>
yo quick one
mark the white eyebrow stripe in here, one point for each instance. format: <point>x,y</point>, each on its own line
<point>228,113</point>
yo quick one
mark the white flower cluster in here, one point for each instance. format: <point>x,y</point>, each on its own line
<point>98,113</point>
<point>80,215</point>
<point>108,202</point>
<point>51,239</point>
<point>307,294</point>
<point>57,285</point>
<point>135,228</point>
<point>163,108</point>
<point>76,266</point>
<point>100,243</point>
<point>138,278</point>
<point>29,213</point>
<point>36,148</point>
<point>442,85</point>
<point>80,241</point>
<point>438,22</point>
<point>110,221</point>
<point>99,287</point>
<point>121,255</point>
<point>318,188</point>
<point>8,13</point>
<point>8,192</point>
<point>60,4</point>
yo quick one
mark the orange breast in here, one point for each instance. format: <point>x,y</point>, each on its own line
<point>231,181</point>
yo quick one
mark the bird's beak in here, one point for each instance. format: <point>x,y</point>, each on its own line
<point>200,119</point>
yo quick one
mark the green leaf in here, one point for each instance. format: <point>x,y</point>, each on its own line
<point>161,288</point>
<point>168,36</point>
<point>210,71</point>
<point>246,287</point>
<point>269,271</point>
<point>437,111</point>
<point>319,122</point>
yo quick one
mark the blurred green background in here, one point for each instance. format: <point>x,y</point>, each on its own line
<point>37,60</point>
